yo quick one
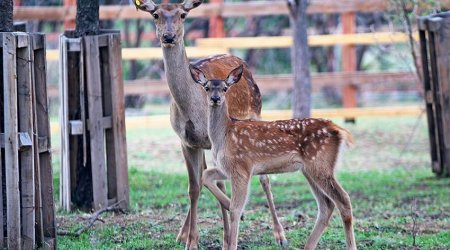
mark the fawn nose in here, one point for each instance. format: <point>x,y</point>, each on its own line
<point>168,38</point>
<point>215,99</point>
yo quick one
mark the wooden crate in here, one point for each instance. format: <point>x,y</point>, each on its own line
<point>434,32</point>
<point>93,143</point>
<point>25,150</point>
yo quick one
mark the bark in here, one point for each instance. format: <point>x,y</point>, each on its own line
<point>6,15</point>
<point>301,98</point>
<point>87,17</point>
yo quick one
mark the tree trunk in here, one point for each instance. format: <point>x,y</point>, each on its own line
<point>6,15</point>
<point>301,99</point>
<point>87,17</point>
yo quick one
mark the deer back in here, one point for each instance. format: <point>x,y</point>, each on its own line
<point>315,143</point>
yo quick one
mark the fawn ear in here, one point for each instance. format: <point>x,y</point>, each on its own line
<point>191,4</point>
<point>235,75</point>
<point>198,75</point>
<point>145,5</point>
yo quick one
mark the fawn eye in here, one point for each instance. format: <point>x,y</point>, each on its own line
<point>206,88</point>
<point>225,89</point>
<point>183,15</point>
<point>156,16</point>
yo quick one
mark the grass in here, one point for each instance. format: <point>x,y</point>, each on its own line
<point>386,175</point>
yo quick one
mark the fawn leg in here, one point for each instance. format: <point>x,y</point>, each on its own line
<point>239,189</point>
<point>278,230</point>
<point>325,211</point>
<point>218,190</point>
<point>189,232</point>
<point>342,201</point>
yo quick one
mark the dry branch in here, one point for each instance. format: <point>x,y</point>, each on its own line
<point>113,208</point>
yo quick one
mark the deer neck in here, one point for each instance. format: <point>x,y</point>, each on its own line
<point>178,77</point>
<point>218,122</point>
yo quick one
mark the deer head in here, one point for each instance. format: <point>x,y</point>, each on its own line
<point>169,18</point>
<point>216,89</point>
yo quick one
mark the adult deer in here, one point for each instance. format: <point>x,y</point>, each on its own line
<point>189,109</point>
<point>245,148</point>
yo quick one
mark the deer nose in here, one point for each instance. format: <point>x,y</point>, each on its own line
<point>168,38</point>
<point>215,99</point>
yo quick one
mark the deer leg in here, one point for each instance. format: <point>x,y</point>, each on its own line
<point>325,211</point>
<point>239,189</point>
<point>278,230</point>
<point>210,176</point>
<point>189,232</point>
<point>342,201</point>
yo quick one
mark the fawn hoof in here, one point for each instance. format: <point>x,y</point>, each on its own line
<point>283,243</point>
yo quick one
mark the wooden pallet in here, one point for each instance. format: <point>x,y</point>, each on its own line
<point>434,32</point>
<point>25,154</point>
<point>93,121</point>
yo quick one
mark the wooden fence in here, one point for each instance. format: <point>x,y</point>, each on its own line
<point>435,48</point>
<point>25,150</point>
<point>218,10</point>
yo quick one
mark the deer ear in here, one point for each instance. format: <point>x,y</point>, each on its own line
<point>235,75</point>
<point>191,4</point>
<point>198,75</point>
<point>145,5</point>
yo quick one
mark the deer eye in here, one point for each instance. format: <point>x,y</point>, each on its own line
<point>156,16</point>
<point>206,88</point>
<point>225,89</point>
<point>183,15</point>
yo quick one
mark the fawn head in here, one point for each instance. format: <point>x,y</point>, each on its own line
<point>216,89</point>
<point>169,18</point>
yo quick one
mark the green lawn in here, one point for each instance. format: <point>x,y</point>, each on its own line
<point>386,175</point>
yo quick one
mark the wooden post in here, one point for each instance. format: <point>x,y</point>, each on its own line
<point>45,217</point>
<point>216,23</point>
<point>349,92</point>
<point>69,24</point>
<point>118,120</point>
<point>97,136</point>
<point>435,48</point>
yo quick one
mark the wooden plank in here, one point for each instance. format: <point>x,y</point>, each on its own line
<point>65,187</point>
<point>24,96</point>
<point>12,146</point>
<point>105,61</point>
<point>163,121</point>
<point>97,136</point>
<point>265,42</point>
<point>44,135</point>
<point>118,118</point>
<point>208,46</point>
<point>279,82</point>
<point>229,9</point>
<point>437,108</point>
<point>36,43</point>
<point>2,165</point>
